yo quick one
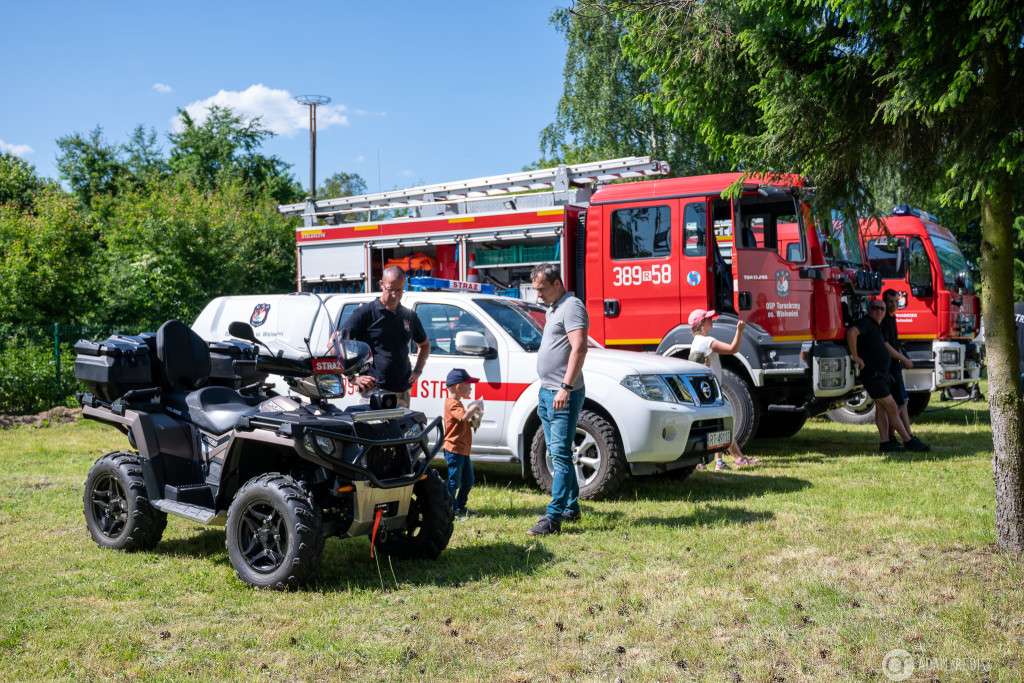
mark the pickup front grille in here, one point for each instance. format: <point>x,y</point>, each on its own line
<point>697,389</point>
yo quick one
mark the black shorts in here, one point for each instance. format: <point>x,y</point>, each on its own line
<point>877,385</point>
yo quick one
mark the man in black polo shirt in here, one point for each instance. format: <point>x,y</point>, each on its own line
<point>872,354</point>
<point>387,327</point>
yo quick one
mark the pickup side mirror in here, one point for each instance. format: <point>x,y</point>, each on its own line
<point>473,344</point>
<point>242,331</point>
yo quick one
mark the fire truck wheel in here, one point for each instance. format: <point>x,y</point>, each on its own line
<point>781,425</point>
<point>746,415</point>
<point>275,533</point>
<point>117,511</point>
<point>597,455</point>
<point>859,410</point>
<point>918,402</point>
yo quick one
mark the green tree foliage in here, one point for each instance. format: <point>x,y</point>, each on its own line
<point>45,256</point>
<point>604,112</point>
<point>342,184</point>
<point>838,89</point>
<point>169,250</point>
<point>224,148</point>
<point>90,165</point>
<point>19,183</point>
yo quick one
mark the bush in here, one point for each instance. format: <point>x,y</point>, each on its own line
<point>27,382</point>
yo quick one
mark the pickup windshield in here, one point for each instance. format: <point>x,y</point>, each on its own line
<point>518,318</point>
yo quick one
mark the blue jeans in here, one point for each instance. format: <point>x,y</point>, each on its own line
<point>460,478</point>
<point>559,432</point>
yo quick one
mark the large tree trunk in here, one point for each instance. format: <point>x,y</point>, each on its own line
<point>1004,391</point>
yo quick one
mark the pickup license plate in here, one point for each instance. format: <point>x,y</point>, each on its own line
<point>719,438</point>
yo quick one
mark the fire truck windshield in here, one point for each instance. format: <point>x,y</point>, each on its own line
<point>843,235</point>
<point>952,261</point>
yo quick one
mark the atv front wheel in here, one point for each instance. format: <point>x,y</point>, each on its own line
<point>429,525</point>
<point>275,533</point>
<point>117,511</point>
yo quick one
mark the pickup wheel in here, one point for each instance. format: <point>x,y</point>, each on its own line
<point>597,455</point>
<point>275,533</point>
<point>859,410</point>
<point>429,525</point>
<point>117,512</point>
<point>781,425</point>
<point>746,414</point>
<point>918,402</point>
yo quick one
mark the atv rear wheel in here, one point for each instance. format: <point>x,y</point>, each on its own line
<point>117,512</point>
<point>597,458</point>
<point>429,524</point>
<point>275,533</point>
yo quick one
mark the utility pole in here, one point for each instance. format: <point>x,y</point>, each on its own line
<point>312,101</point>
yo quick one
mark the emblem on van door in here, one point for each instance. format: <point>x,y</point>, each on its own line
<point>782,283</point>
<point>693,278</point>
<point>259,315</point>
<point>901,300</point>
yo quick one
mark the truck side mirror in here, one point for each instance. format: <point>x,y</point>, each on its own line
<point>473,344</point>
<point>902,257</point>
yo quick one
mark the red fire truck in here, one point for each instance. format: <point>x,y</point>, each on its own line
<point>937,310</point>
<point>641,255</point>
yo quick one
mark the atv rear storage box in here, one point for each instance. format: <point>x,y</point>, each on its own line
<point>223,370</point>
<point>112,368</point>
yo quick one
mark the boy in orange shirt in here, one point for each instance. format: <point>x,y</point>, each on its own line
<point>458,438</point>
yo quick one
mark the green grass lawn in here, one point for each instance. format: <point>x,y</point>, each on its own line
<point>811,566</point>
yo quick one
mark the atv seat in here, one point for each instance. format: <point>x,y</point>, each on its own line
<point>185,361</point>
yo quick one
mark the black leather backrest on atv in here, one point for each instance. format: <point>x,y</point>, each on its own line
<point>184,357</point>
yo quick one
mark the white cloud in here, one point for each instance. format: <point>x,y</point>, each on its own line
<point>406,173</point>
<point>278,110</point>
<point>360,159</point>
<point>160,87</point>
<point>16,150</point>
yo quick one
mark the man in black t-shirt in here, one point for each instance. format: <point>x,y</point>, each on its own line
<point>890,332</point>
<point>387,327</point>
<point>872,354</point>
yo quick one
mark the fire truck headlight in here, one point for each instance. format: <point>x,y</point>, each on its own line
<point>832,365</point>
<point>650,387</point>
<point>950,357</point>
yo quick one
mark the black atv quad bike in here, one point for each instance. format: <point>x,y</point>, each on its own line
<point>281,473</point>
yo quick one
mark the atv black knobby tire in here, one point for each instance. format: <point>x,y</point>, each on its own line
<point>275,533</point>
<point>429,524</point>
<point>780,425</point>
<point>598,458</point>
<point>746,415</point>
<point>117,511</point>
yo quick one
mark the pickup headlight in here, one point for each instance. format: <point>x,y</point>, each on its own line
<point>650,387</point>
<point>950,357</point>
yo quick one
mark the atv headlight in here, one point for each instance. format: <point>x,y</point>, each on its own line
<point>412,431</point>
<point>318,443</point>
<point>329,385</point>
<point>650,387</point>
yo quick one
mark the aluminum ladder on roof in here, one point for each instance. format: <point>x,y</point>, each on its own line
<point>559,181</point>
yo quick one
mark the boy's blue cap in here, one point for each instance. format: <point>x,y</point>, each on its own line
<point>459,375</point>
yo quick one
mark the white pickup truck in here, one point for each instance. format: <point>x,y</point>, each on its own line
<point>643,412</point>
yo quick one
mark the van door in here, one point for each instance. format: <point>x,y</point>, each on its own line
<point>769,248</point>
<point>641,246</point>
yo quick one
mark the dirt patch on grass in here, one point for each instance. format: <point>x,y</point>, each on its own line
<point>47,418</point>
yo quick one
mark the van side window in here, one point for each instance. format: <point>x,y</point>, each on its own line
<point>643,232</point>
<point>694,230</point>
<point>346,312</point>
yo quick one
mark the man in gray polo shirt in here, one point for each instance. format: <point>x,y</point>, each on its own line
<point>563,349</point>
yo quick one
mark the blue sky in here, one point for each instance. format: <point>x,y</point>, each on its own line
<point>436,91</point>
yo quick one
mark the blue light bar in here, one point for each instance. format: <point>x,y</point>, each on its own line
<point>905,210</point>
<point>441,284</point>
